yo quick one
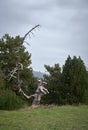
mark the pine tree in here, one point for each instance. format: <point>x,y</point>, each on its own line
<point>53,81</point>
<point>74,79</point>
<point>10,49</point>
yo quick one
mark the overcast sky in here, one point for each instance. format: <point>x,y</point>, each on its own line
<point>63,31</point>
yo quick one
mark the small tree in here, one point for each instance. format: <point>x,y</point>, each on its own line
<point>53,84</point>
<point>74,79</point>
<point>9,53</point>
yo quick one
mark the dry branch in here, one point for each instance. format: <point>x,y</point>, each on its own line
<point>30,31</point>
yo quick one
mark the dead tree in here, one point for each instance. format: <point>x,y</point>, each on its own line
<point>41,90</point>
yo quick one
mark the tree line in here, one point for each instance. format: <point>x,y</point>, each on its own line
<point>67,85</point>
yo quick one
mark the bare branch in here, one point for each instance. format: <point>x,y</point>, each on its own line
<point>27,43</point>
<point>30,31</point>
<point>24,94</point>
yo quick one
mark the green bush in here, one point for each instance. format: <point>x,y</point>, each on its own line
<point>85,98</point>
<point>9,100</point>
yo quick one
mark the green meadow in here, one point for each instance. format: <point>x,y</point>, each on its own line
<point>46,118</point>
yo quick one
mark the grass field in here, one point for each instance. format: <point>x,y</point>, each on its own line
<point>54,118</point>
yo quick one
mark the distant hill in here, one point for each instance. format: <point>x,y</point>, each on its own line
<point>38,74</point>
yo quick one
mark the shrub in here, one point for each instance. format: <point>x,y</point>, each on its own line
<point>10,101</point>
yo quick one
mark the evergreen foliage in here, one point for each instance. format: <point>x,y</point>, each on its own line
<point>85,98</point>
<point>68,86</point>
<point>10,49</point>
<point>2,77</point>
<point>74,79</point>
<point>53,84</point>
<point>9,100</point>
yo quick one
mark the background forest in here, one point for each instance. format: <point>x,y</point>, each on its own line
<point>67,85</point>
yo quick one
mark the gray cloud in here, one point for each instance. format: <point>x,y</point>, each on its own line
<point>72,3</point>
<point>64,28</point>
